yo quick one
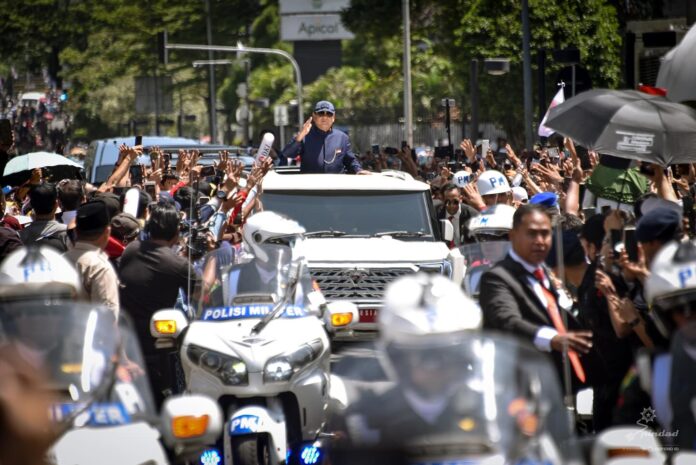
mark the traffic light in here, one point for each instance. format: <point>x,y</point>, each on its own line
<point>162,54</point>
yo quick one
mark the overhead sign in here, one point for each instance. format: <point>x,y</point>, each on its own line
<point>313,27</point>
<point>153,95</point>
<point>312,6</point>
<point>280,115</point>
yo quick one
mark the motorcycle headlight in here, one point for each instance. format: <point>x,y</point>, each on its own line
<point>282,367</point>
<point>230,370</point>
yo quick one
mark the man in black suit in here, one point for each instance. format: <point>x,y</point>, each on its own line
<point>517,295</point>
<point>457,213</point>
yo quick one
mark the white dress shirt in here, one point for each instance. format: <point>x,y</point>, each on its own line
<point>455,223</point>
<point>543,337</point>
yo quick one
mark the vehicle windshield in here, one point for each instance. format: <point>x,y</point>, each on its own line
<point>450,399</point>
<point>355,213</point>
<point>479,258</point>
<point>254,287</point>
<point>84,357</point>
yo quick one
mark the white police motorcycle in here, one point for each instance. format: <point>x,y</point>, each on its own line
<point>100,397</point>
<point>259,345</point>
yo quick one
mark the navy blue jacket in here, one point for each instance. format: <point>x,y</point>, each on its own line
<point>322,152</point>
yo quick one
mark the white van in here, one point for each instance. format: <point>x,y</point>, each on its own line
<point>102,154</point>
<point>31,99</point>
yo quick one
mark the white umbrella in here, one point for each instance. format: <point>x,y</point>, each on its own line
<point>678,69</point>
<point>18,169</point>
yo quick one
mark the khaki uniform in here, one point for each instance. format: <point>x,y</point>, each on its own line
<point>99,279</point>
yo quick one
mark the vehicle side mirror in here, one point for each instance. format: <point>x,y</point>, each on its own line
<point>447,230</point>
<point>166,325</point>
<point>340,314</point>
<point>190,422</point>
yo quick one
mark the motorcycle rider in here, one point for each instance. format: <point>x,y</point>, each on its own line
<point>441,388</point>
<point>271,241</point>
<point>26,431</point>
<point>421,327</point>
<point>671,291</point>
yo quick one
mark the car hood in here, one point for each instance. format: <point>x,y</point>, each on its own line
<point>372,250</point>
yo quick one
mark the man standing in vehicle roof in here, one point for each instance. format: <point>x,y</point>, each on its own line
<point>321,147</point>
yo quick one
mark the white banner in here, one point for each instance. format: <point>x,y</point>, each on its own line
<point>313,27</point>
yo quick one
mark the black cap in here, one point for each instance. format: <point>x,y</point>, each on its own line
<point>92,216</point>
<point>113,204</point>
<point>661,224</point>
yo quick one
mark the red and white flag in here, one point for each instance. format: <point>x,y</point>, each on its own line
<point>557,99</point>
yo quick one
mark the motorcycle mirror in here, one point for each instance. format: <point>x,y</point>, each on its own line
<point>340,314</point>
<point>166,325</point>
<point>190,422</point>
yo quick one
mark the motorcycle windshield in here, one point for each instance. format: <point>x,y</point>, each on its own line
<point>74,345</point>
<point>464,399</point>
<point>90,365</point>
<point>479,258</point>
<point>253,288</point>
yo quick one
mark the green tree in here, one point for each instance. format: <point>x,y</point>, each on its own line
<point>461,30</point>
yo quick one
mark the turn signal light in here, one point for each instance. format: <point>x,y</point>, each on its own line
<point>165,326</point>
<point>189,426</point>
<point>341,319</point>
<point>627,452</point>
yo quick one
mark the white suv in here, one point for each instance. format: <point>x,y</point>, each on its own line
<point>363,232</point>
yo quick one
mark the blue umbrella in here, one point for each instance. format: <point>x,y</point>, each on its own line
<point>18,169</point>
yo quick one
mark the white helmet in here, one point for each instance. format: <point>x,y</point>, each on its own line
<point>519,194</point>
<point>492,182</point>
<point>494,221</point>
<point>38,273</point>
<point>268,232</point>
<point>461,178</point>
<point>671,286</point>
<point>423,305</point>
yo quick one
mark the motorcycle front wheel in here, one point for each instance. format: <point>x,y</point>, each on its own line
<point>251,450</point>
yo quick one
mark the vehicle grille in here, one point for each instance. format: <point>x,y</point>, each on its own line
<point>356,283</point>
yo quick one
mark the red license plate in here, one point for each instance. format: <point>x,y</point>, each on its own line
<point>367,315</point>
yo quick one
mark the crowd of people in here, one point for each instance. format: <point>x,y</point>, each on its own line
<point>144,257</point>
<point>39,124</point>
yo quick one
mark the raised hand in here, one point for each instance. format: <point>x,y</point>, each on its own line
<point>469,149</point>
<point>511,155</point>
<point>305,130</point>
<point>472,197</point>
<point>224,160</point>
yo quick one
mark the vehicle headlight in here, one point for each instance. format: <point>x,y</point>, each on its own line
<point>231,370</point>
<point>282,367</point>
<point>444,268</point>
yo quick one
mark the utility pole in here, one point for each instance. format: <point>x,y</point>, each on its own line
<point>212,103</point>
<point>408,107</point>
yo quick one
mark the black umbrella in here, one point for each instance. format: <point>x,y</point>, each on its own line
<point>628,124</point>
<point>678,68</point>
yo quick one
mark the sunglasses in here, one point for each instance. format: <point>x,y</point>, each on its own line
<point>323,113</point>
<point>451,202</point>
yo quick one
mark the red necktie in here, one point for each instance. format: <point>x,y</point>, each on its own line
<point>555,316</point>
<point>451,242</point>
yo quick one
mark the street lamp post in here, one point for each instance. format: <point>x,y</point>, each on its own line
<point>242,48</point>
<point>408,107</point>
<point>211,77</point>
<point>527,77</point>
